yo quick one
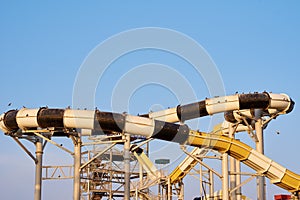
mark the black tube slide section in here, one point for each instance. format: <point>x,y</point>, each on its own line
<point>94,120</point>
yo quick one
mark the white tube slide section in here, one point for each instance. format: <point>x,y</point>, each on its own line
<point>222,104</point>
<point>79,118</point>
<point>168,115</point>
<point>139,125</point>
<point>268,102</point>
<point>27,118</point>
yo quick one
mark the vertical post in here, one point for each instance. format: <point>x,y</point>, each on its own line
<point>127,167</point>
<point>261,187</point>
<point>238,180</point>
<point>225,187</point>
<point>159,191</point>
<point>169,190</point>
<point>89,180</point>
<point>232,166</point>
<point>38,169</point>
<point>77,163</point>
<point>110,174</point>
<point>201,180</point>
<point>211,186</point>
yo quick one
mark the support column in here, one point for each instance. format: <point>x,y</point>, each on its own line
<point>77,164</point>
<point>233,183</point>
<point>211,186</point>
<point>169,190</point>
<point>225,187</point>
<point>261,185</point>
<point>238,180</point>
<point>110,197</point>
<point>38,169</point>
<point>89,180</point>
<point>201,181</point>
<point>127,167</point>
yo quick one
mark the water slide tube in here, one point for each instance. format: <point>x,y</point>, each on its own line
<point>269,102</point>
<point>26,119</point>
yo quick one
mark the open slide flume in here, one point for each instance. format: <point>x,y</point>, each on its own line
<point>277,174</point>
<point>160,125</point>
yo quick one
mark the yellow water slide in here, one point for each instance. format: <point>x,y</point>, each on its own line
<point>277,174</point>
<point>185,166</point>
<point>189,162</point>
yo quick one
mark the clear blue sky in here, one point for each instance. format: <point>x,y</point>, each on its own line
<point>255,45</point>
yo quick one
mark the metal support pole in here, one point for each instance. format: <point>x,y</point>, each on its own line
<point>169,190</point>
<point>261,185</point>
<point>89,180</point>
<point>201,180</point>
<point>232,167</point>
<point>77,163</point>
<point>225,187</point>
<point>127,167</point>
<point>38,169</point>
<point>238,180</point>
<point>110,197</point>
<point>211,184</point>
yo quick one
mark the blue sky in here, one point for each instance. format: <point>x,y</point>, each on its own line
<point>255,46</point>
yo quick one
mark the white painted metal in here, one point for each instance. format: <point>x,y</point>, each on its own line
<point>241,128</point>
<point>211,182</point>
<point>127,167</point>
<point>240,114</point>
<point>276,172</point>
<point>225,186</point>
<point>168,115</point>
<point>86,132</point>
<point>238,180</point>
<point>38,169</point>
<point>139,125</point>
<point>232,165</point>
<point>79,119</point>
<point>259,162</point>
<point>77,163</point>
<point>221,104</point>
<point>261,182</point>
<point>281,102</point>
<point>147,165</point>
<point>27,118</point>
<point>201,180</point>
<point>188,160</point>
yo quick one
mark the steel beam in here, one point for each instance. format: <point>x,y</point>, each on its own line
<point>38,169</point>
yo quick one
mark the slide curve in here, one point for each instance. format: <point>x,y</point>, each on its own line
<point>160,125</point>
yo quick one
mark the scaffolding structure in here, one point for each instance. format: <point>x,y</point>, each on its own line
<point>115,164</point>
